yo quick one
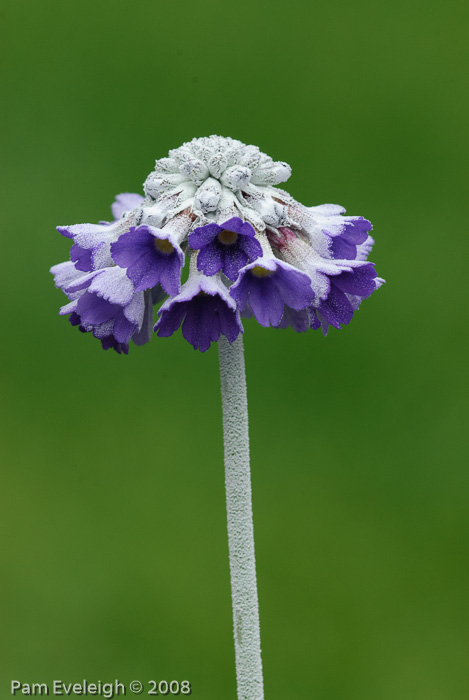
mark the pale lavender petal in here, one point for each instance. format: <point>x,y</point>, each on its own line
<point>125,202</point>
<point>82,282</point>
<point>364,249</point>
<point>93,309</point>
<point>68,308</point>
<point>135,309</point>
<point>65,274</point>
<point>113,285</point>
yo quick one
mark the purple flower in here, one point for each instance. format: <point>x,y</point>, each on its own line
<point>92,242</point>
<point>151,256</point>
<point>104,302</point>
<point>346,292</point>
<point>205,310</point>
<point>64,274</point>
<point>102,299</point>
<point>227,247</point>
<point>337,284</point>
<point>267,286</point>
<point>355,232</point>
<point>329,232</point>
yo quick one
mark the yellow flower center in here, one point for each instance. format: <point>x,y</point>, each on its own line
<point>259,271</point>
<point>227,237</point>
<point>163,245</point>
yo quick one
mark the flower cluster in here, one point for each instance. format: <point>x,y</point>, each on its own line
<point>253,251</point>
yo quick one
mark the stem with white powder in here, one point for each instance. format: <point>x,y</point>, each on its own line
<point>240,524</point>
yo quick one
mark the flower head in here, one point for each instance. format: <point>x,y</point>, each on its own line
<point>254,251</point>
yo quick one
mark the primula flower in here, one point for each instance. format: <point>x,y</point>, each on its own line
<point>255,251</point>
<point>228,247</point>
<point>105,303</point>
<point>150,255</point>
<point>269,285</point>
<point>205,310</point>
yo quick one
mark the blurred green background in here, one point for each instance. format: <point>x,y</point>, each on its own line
<point>114,556</point>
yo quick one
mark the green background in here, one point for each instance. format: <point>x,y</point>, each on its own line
<point>114,556</point>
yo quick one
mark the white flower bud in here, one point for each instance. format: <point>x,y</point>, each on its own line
<point>157,183</point>
<point>207,196</point>
<point>166,165</point>
<point>273,213</point>
<point>236,177</point>
<point>195,169</point>
<point>217,164</point>
<point>251,157</point>
<point>151,216</point>
<point>272,175</point>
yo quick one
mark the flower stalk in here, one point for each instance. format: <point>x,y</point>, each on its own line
<point>240,523</point>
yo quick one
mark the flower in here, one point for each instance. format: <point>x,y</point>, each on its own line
<point>151,256</point>
<point>204,308</point>
<point>269,285</point>
<point>105,303</point>
<point>254,251</point>
<point>228,247</point>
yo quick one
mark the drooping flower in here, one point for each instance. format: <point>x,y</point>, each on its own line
<point>268,286</point>
<point>204,308</point>
<point>153,255</point>
<point>333,281</point>
<point>255,251</point>
<point>105,303</point>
